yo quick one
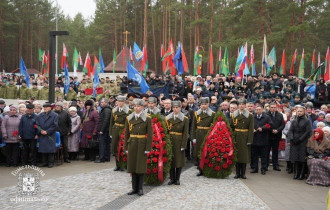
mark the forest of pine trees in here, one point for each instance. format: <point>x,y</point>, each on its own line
<point>288,24</point>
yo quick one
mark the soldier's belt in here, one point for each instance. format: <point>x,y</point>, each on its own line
<point>121,125</point>
<point>200,127</point>
<point>241,130</point>
<point>176,133</point>
<point>138,136</point>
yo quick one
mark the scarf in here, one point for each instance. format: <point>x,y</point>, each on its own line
<point>320,137</point>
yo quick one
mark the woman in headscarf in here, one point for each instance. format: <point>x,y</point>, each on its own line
<point>88,126</point>
<point>9,129</point>
<point>73,139</point>
<point>319,144</point>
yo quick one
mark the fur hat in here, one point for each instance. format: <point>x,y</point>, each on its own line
<point>89,103</point>
<point>138,101</point>
<point>176,103</point>
<point>205,100</point>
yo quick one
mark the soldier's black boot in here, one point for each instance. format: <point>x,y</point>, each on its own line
<point>200,173</point>
<point>177,176</point>
<point>243,169</point>
<point>140,189</point>
<point>134,184</point>
<point>296,170</point>
<point>172,176</point>
<point>238,175</point>
<point>51,159</point>
<point>302,172</point>
<point>117,166</point>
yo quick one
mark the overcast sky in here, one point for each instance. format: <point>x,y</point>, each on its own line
<point>72,7</point>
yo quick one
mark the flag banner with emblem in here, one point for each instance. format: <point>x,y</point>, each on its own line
<point>301,71</point>
<point>96,81</point>
<point>155,89</point>
<point>253,64</point>
<point>65,55</point>
<point>101,61</point>
<point>225,63</point>
<point>75,62</point>
<point>282,67</point>
<point>271,60</point>
<point>24,72</point>
<point>293,62</point>
<point>316,72</point>
<point>67,78</point>
<point>178,60</point>
<point>137,52</point>
<point>133,74</point>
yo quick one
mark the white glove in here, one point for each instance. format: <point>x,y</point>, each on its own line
<point>126,151</point>
<point>146,152</point>
<point>194,141</point>
<point>111,137</point>
<point>248,144</point>
<point>182,149</point>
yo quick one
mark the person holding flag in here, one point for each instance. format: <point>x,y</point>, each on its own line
<point>133,74</point>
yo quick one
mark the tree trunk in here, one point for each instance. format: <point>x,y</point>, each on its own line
<point>182,22</point>
<point>154,39</point>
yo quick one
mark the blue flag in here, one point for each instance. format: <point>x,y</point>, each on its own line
<point>133,74</point>
<point>24,72</point>
<point>101,61</point>
<point>137,52</point>
<point>96,82</point>
<point>178,60</point>
<point>67,78</point>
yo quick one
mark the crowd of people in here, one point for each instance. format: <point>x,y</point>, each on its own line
<point>263,112</point>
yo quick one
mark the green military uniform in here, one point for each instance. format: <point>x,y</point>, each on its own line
<point>89,85</point>
<point>200,126</point>
<point>3,91</point>
<point>82,86</point>
<point>105,86</point>
<point>71,94</point>
<point>58,93</point>
<point>44,93</point>
<point>178,129</point>
<point>11,91</point>
<point>138,140</point>
<point>83,98</point>
<point>243,129</point>
<point>117,123</point>
<point>24,93</point>
<point>113,90</point>
<point>35,93</point>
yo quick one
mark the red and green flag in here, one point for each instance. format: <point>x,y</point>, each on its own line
<point>301,72</point>
<point>144,64</point>
<point>282,67</point>
<point>41,53</point>
<point>88,66</point>
<point>327,66</point>
<point>65,55</point>
<point>225,63</point>
<point>211,61</point>
<point>293,62</point>
<point>114,61</point>
<point>197,62</point>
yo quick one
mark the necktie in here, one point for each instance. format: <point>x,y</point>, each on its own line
<point>259,116</point>
<point>273,114</point>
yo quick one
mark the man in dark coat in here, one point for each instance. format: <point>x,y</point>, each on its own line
<point>47,123</point>
<point>259,148</point>
<point>243,129</point>
<point>64,127</point>
<point>103,130</point>
<point>29,136</point>
<point>299,133</point>
<point>275,134</point>
<point>138,140</point>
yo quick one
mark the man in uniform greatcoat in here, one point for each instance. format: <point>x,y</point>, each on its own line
<point>178,126</point>
<point>138,140</point>
<point>262,125</point>
<point>243,127</point>
<point>202,121</point>
<point>117,123</point>
<point>152,106</point>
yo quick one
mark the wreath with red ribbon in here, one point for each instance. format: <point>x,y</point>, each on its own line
<point>218,153</point>
<point>121,152</point>
<point>160,157</point>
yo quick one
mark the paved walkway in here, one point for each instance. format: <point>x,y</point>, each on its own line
<point>86,185</point>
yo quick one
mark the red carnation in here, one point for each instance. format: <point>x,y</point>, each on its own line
<point>148,171</point>
<point>148,161</point>
<point>154,138</point>
<point>225,166</point>
<point>35,126</point>
<point>154,159</point>
<point>121,154</point>
<point>89,136</point>
<point>154,170</point>
<point>163,135</point>
<point>229,162</point>
<point>164,152</point>
<point>159,124</point>
<point>326,158</point>
<point>267,125</point>
<point>211,155</point>
<point>210,165</point>
<point>213,150</point>
<point>209,149</point>
<point>219,118</point>
<point>215,154</point>
<point>125,159</point>
<point>223,150</point>
<point>164,143</point>
<point>218,159</point>
<point>228,149</point>
<point>153,144</point>
<point>148,154</point>
<point>206,161</point>
<point>15,133</point>
<point>151,152</point>
<point>218,147</point>
<point>161,129</point>
<point>218,142</point>
<point>231,157</point>
<point>154,120</point>
<point>217,168</point>
<point>164,159</point>
<point>158,146</point>
<point>156,153</point>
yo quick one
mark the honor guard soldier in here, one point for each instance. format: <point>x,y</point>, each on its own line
<point>117,123</point>
<point>178,127</point>
<point>138,140</point>
<point>243,129</point>
<point>152,106</point>
<point>44,92</point>
<point>24,91</point>
<point>202,120</point>
<point>35,91</point>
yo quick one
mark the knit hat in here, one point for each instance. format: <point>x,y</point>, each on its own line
<point>321,112</point>
<point>13,107</point>
<point>59,103</point>
<point>326,128</point>
<point>6,109</point>
<point>72,109</point>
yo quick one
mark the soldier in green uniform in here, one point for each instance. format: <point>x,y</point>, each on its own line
<point>3,89</point>
<point>117,122</point>
<point>104,85</point>
<point>178,127</point>
<point>82,96</point>
<point>11,90</point>
<point>202,120</point>
<point>138,140</point>
<point>71,94</point>
<point>24,92</point>
<point>243,129</point>
<point>152,106</point>
<point>35,91</point>
<point>44,92</point>
<point>58,91</point>
<point>113,88</point>
<point>89,83</point>
<point>83,85</point>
